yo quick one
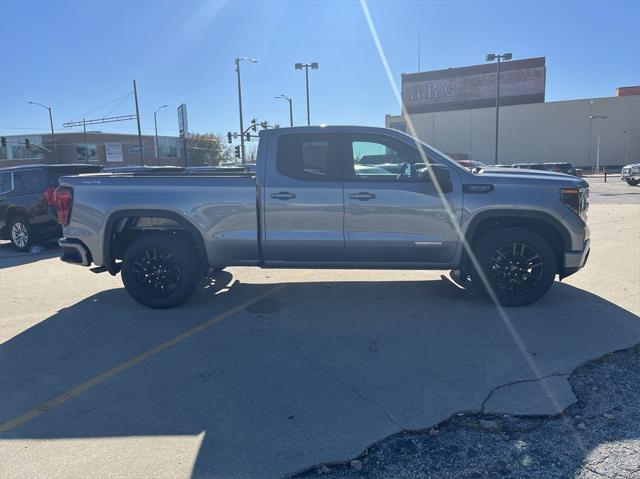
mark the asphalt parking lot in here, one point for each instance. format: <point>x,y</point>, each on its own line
<point>271,373</point>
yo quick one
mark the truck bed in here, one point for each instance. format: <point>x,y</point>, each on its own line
<point>222,207</point>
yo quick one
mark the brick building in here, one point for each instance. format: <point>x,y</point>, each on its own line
<point>108,149</point>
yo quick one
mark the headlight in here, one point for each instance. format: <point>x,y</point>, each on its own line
<point>577,199</point>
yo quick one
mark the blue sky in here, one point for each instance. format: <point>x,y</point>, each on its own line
<point>79,55</point>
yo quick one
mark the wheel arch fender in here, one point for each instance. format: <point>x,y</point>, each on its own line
<point>540,222</point>
<point>117,221</point>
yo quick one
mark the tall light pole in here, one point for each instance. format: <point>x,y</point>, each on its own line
<point>591,118</point>
<point>53,135</point>
<point>155,122</point>
<point>306,66</point>
<point>490,58</point>
<point>238,60</point>
<point>285,97</point>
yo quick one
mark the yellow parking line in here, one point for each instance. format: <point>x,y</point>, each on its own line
<point>100,378</point>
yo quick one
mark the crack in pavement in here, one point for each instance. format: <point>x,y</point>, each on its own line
<point>518,381</point>
<point>331,375</point>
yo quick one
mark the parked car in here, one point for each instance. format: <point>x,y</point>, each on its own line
<point>27,210</point>
<point>471,164</point>
<point>631,174</point>
<point>308,206</point>
<point>561,167</point>
<point>530,166</point>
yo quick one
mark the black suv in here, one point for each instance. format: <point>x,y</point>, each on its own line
<point>27,209</point>
<point>561,167</point>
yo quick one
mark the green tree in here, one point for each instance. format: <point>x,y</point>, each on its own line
<point>207,149</point>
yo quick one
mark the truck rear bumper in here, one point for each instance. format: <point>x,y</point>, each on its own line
<point>575,260</point>
<point>74,252</point>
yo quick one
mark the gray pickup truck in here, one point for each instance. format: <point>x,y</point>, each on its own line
<point>329,197</point>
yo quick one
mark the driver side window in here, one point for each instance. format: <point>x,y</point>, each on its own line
<point>377,161</point>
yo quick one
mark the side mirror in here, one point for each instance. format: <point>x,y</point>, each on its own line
<point>441,175</point>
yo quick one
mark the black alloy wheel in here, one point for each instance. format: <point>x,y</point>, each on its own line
<point>517,264</point>
<point>160,270</point>
<point>516,269</point>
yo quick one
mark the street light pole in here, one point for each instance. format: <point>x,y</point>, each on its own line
<point>53,135</point>
<point>306,66</point>
<point>285,97</point>
<point>591,118</point>
<point>491,57</point>
<point>238,60</point>
<point>155,122</point>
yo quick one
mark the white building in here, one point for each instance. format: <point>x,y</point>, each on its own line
<point>586,133</point>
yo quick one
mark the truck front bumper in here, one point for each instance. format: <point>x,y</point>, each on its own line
<point>74,252</point>
<point>575,260</point>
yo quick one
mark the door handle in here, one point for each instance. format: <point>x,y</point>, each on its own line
<point>283,195</point>
<point>362,196</point>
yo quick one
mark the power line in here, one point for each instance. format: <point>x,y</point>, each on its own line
<point>120,103</point>
<point>100,107</point>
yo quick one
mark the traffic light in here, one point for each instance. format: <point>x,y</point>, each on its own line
<point>248,136</point>
<point>253,125</point>
<point>229,137</point>
<point>27,143</point>
<point>237,150</point>
<point>3,140</point>
<point>264,125</point>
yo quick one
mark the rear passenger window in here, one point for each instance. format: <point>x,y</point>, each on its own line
<point>5,182</point>
<point>30,180</point>
<point>307,157</point>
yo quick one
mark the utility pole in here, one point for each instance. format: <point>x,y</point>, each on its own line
<point>238,60</point>
<point>495,161</point>
<point>285,97</point>
<point>418,53</point>
<point>135,96</point>
<point>53,135</point>
<point>53,138</point>
<point>240,111</point>
<point>155,123</point>
<point>491,57</point>
<point>306,66</point>
<point>306,74</point>
<point>86,146</point>
<point>591,118</point>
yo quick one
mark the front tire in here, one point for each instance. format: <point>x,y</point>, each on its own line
<point>633,182</point>
<point>518,264</point>
<point>21,234</point>
<point>160,270</point>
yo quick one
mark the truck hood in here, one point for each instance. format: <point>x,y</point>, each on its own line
<point>527,174</point>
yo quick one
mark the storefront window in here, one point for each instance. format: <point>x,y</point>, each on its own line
<point>87,153</point>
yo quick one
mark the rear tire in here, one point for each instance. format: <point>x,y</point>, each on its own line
<point>160,271</point>
<point>21,234</point>
<point>518,264</point>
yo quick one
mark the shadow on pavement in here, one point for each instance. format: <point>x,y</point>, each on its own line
<point>10,257</point>
<point>315,372</point>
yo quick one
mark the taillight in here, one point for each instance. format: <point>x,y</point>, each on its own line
<point>63,197</point>
<point>49,196</point>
